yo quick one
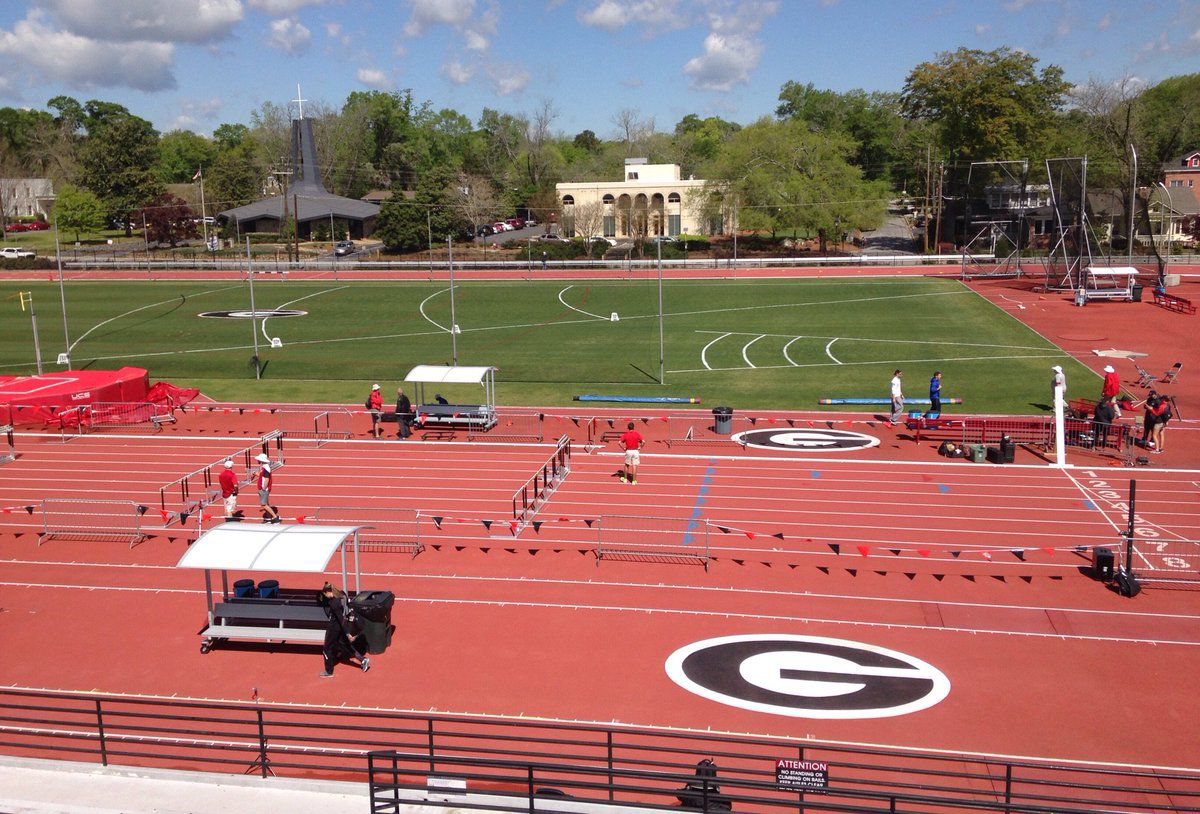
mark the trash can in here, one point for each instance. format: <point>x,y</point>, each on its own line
<point>374,611</point>
<point>244,588</point>
<point>722,420</point>
<point>1135,292</point>
<point>268,589</point>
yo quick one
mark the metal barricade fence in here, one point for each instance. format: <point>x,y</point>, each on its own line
<point>92,520</point>
<point>1165,560</point>
<point>653,539</point>
<point>510,427</point>
<point>199,488</point>
<point>319,425</point>
<point>72,422</point>
<point>109,415</point>
<point>8,452</point>
<point>391,529</point>
<point>702,428</point>
<point>533,494</point>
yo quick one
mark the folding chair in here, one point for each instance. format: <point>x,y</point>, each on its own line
<point>1170,375</point>
<point>1145,377</point>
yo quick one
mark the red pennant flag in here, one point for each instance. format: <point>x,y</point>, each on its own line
<point>749,534</point>
<point>862,549</point>
<point>7,510</point>
<point>564,520</point>
<point>301,518</point>
<point>164,515</point>
<point>924,552</point>
<point>206,517</point>
<point>512,525</point>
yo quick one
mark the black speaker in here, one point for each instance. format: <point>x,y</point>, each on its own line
<point>995,455</point>
<point>1008,450</point>
<point>1127,584</point>
<point>1102,563</point>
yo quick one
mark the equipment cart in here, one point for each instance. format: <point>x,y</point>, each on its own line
<point>263,612</point>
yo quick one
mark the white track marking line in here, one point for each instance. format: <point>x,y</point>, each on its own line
<point>830,355</point>
<point>704,351</point>
<point>785,349</point>
<point>181,297</point>
<point>573,308</point>
<point>746,348</point>
<point>298,299</point>
<point>709,368</point>
<point>428,319</point>
<point>894,341</point>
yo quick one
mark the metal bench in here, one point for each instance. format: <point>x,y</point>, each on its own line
<point>1173,302</point>
<point>456,415</point>
<point>266,620</point>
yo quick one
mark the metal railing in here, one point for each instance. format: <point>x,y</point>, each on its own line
<point>321,426</point>
<point>656,539</point>
<point>627,766</point>
<point>533,494</point>
<point>87,519</point>
<point>385,528</point>
<point>8,452</point>
<point>189,493</point>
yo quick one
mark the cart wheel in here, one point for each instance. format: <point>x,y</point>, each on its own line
<point>205,647</point>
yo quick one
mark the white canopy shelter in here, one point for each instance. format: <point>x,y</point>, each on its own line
<point>484,412</point>
<point>298,549</point>
<point>1110,282</point>
<point>447,374</point>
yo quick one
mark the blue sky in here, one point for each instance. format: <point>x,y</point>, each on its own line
<point>195,64</point>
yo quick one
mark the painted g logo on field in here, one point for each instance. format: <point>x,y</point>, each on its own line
<point>805,439</point>
<point>807,676</point>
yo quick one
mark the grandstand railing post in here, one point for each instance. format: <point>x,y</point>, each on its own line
<point>608,737</point>
<point>529,787</point>
<point>100,733</point>
<point>429,741</point>
<point>1007,784</point>
<point>263,760</point>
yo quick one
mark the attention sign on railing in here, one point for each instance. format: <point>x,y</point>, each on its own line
<point>802,775</point>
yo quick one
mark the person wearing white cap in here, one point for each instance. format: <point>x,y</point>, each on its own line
<point>1058,386</point>
<point>1111,388</point>
<point>375,406</point>
<point>265,480</point>
<point>229,491</point>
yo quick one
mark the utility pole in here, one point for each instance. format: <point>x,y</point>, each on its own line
<point>937,226</point>
<point>453,322</point>
<point>1132,203</point>
<point>928,183</point>
<point>253,313</point>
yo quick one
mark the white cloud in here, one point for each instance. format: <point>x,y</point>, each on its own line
<point>651,16</point>
<point>428,13</point>
<point>374,78</point>
<point>158,21</point>
<point>290,36</point>
<point>281,8</point>
<point>508,78</point>
<point>1104,22</point>
<point>474,41</point>
<point>457,73</point>
<point>83,63</point>
<point>194,113</point>
<point>334,32</point>
<point>1017,5</point>
<point>1195,37</point>
<point>981,29</point>
<point>731,52</point>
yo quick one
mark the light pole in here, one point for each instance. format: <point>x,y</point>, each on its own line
<point>1166,220</point>
<point>27,297</point>
<point>453,321</point>
<point>253,313</point>
<point>662,372</point>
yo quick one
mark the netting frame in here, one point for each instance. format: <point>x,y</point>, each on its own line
<point>619,550</point>
<point>1010,266</point>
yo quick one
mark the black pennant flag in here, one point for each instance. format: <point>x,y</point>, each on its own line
<point>778,535</point>
<point>1027,579</point>
<point>29,509</point>
<point>911,576</point>
<point>437,521</point>
<point>610,423</point>
<point>575,421</point>
<point>852,572</point>
<point>183,518</point>
<point>999,577</point>
<point>753,421</point>
<point>895,551</point>
<point>541,416</point>
<point>722,529</point>
<point>589,521</point>
<point>537,526</point>
<point>939,577</point>
<point>882,573</point>
<point>1019,553</point>
<point>955,554</point>
<point>487,524</point>
<point>824,569</point>
<point>791,422</point>
<point>968,577</point>
<point>835,548</point>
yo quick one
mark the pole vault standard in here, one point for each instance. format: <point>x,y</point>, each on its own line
<point>253,313</point>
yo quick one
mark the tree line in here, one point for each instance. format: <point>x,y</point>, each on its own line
<point>822,161</point>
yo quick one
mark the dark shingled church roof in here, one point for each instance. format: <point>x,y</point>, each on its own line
<point>306,192</point>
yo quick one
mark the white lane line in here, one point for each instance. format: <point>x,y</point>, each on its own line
<point>746,348</point>
<point>785,353</point>
<point>293,302</point>
<point>428,319</point>
<point>875,362</point>
<point>573,308</point>
<point>182,299</point>
<point>891,341</point>
<point>830,355</point>
<point>704,351</point>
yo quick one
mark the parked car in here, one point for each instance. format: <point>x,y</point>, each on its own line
<point>14,227</point>
<point>501,226</point>
<point>343,248</point>
<point>14,253</point>
<point>551,237</point>
<point>486,229</point>
<point>599,239</point>
<point>37,226</point>
<point>516,223</point>
<point>662,239</point>
<point>531,221</point>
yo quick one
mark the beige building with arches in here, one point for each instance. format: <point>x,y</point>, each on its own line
<point>651,200</point>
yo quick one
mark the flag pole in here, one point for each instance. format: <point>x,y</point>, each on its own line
<point>203,213</point>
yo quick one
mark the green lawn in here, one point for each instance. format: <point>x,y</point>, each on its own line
<point>749,344</point>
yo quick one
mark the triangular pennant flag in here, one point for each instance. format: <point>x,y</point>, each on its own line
<point>564,520</point>
<point>486,550</point>
<point>301,518</point>
<point>1048,550</point>
<point>610,423</point>
<point>183,517</point>
<point>911,576</point>
<point>862,549</point>
<point>645,421</point>
<point>939,577</point>
<point>740,562</point>
<point>241,410</point>
<point>924,552</point>
<point>487,524</point>
<point>541,416</point>
<point>823,569</point>
<point>723,529</point>
<point>537,526</point>
<point>778,535</point>
<point>163,512</point>
<point>753,421</point>
<point>968,577</point>
<point>1057,577</point>
<point>511,550</point>
<point>749,534</point>
<point>835,548</point>
<point>791,422</point>
<point>882,573</point>
<point>206,517</point>
<point>852,572</point>
<point>589,521</point>
<point>29,510</point>
<point>955,554</point>
<point>437,521</point>
<point>1019,553</point>
<point>999,577</point>
<point>512,526</point>
<point>895,551</point>
<point>437,547</point>
<point>6,510</point>
<point>459,547</point>
<point>575,421</point>
<point>987,555</point>
<point>1027,579</point>
<point>141,510</point>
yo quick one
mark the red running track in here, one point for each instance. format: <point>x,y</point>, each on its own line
<point>535,626</point>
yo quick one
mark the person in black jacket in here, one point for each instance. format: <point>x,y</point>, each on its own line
<point>1105,415</point>
<point>343,641</point>
<point>404,414</point>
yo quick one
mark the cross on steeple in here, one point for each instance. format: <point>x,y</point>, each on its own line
<point>299,101</point>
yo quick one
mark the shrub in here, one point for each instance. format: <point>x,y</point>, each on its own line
<point>694,243</point>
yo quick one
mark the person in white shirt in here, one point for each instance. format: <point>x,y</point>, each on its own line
<point>897,397</point>
<point>1058,386</point>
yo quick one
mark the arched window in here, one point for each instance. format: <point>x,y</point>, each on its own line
<point>673,197</point>
<point>608,199</point>
<point>568,200</point>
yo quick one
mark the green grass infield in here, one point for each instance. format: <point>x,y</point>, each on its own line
<point>761,344</point>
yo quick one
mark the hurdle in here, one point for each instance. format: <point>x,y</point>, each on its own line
<point>1166,560</point>
<point>699,428</point>
<point>320,426</point>
<point>86,519</point>
<point>71,422</point>
<point>509,427</point>
<point>653,539</point>
<point>385,529</point>
<point>199,488</point>
<point>119,415</point>
<point>535,492</point>
<point>8,452</point>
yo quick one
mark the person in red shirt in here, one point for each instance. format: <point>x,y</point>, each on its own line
<point>631,441</point>
<point>375,406</point>
<point>264,481</point>
<point>1111,387</point>
<point>229,491</point>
